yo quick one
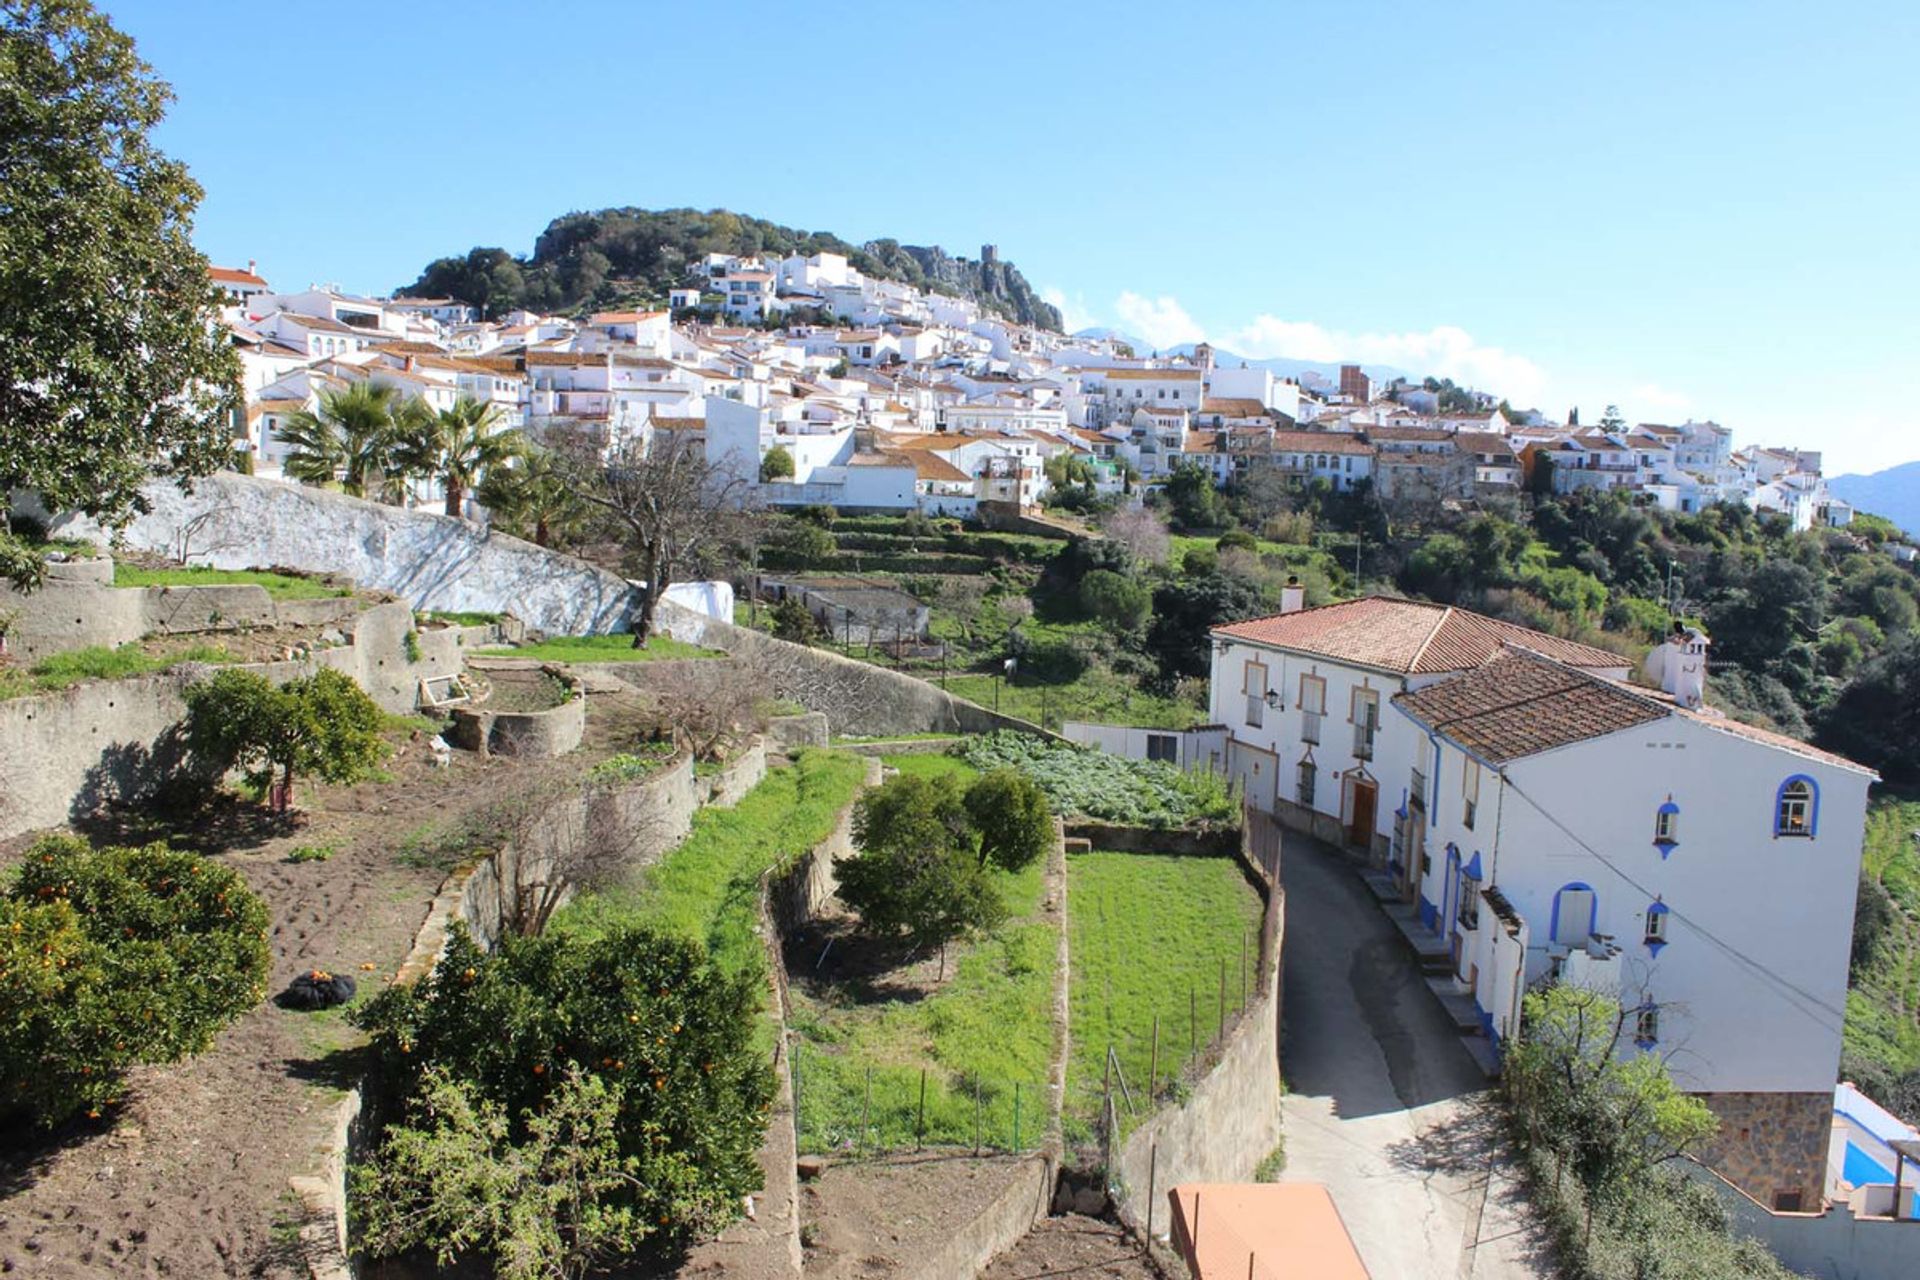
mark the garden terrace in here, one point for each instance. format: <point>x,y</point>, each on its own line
<point>1152,937</point>
<point>1082,782</point>
<point>602,648</point>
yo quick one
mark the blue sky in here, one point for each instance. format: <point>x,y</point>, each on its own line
<point>1694,208</point>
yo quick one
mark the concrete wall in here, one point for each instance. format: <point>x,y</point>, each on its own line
<point>79,606</point>
<point>857,697</point>
<point>1231,1121</point>
<point>527,735</point>
<point>1124,839</point>
<point>432,561</point>
<point>1834,1245</point>
<point>65,754</point>
<point>808,730</point>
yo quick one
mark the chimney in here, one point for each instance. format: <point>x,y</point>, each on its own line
<point>252,267</point>
<point>409,365</point>
<point>1681,665</point>
<point>1292,596</point>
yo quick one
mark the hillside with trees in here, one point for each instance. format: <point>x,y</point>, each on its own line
<point>615,257</point>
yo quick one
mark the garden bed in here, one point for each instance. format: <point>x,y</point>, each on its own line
<point>278,584</point>
<point>609,648</point>
<point>1151,935</point>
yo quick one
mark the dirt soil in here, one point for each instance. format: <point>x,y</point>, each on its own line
<point>877,1217</point>
<point>1073,1246</point>
<point>189,1178</point>
<point>247,644</point>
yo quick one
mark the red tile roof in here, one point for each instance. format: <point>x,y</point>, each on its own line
<point>1520,704</point>
<point>232,275</point>
<point>1407,636</point>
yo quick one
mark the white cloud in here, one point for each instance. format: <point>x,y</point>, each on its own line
<point>1075,314</point>
<point>1446,351</point>
<point>1158,322</point>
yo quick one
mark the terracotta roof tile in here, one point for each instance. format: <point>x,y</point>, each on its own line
<point>1408,636</point>
<point>1520,704</point>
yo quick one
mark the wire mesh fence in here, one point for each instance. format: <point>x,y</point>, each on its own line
<point>847,1106</point>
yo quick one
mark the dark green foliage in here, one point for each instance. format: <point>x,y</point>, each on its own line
<point>323,724</point>
<point>614,255</point>
<point>1239,539</point>
<point>1193,499</point>
<point>918,874</point>
<point>1011,817</point>
<point>116,957</point>
<point>1200,561</point>
<point>111,367</point>
<point>1876,718</point>
<point>1874,915</point>
<point>20,564</point>
<point>791,621</point>
<point>799,541</point>
<point>666,1036</point>
<point>1185,611</point>
<point>1121,602</point>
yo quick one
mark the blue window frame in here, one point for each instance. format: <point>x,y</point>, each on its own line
<point>1656,927</point>
<point>1666,827</point>
<point>1796,807</point>
<point>1561,926</point>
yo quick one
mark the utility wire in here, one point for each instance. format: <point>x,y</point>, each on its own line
<point>1789,989</point>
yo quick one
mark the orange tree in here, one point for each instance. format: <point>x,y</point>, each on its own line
<point>635,1037</point>
<point>115,957</point>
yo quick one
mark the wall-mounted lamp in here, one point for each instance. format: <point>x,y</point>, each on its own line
<point>1273,699</point>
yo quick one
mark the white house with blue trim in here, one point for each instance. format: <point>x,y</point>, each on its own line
<point>1626,839</point>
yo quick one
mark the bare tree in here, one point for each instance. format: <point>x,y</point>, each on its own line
<point>714,708</point>
<point>673,508</point>
<point>552,838</point>
<point>1141,532</point>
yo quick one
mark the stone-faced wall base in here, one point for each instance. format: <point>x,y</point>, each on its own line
<point>1773,1146</point>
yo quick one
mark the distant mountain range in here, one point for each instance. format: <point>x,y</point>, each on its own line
<point>1280,365</point>
<point>1893,493</point>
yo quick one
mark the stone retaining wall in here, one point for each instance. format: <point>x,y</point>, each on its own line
<point>526,735</point>
<point>1221,842</point>
<point>65,754</point>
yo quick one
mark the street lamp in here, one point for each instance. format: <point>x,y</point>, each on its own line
<point>1006,670</point>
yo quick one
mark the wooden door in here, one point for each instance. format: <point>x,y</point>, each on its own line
<point>1365,802</point>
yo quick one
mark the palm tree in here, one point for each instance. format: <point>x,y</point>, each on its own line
<point>532,495</point>
<point>349,440</point>
<point>462,445</point>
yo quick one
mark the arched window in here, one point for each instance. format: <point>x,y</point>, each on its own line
<point>1796,807</point>
<point>1666,827</point>
<point>1656,929</point>
<point>1576,914</point>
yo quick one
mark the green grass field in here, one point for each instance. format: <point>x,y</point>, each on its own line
<point>617,648</point>
<point>281,586</point>
<point>96,662</point>
<point>1883,1008</point>
<point>941,766</point>
<point>987,1029</point>
<point>1150,935</point>
<point>708,888</point>
<point>1097,695</point>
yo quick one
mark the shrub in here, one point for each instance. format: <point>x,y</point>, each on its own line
<point>113,958</point>
<point>791,621</point>
<point>1010,815</point>
<point>1108,788</point>
<point>1236,540</point>
<point>631,1047</point>
<point>918,873</point>
<point>776,464</point>
<point>311,853</point>
<point>323,724</point>
<point>1117,600</point>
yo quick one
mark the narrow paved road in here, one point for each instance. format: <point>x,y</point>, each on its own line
<point>1384,1106</point>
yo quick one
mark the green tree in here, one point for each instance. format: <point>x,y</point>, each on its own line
<point>611,1096</point>
<point>802,542</point>
<point>1195,502</point>
<point>776,464</point>
<point>918,873</point>
<point>531,495</point>
<point>1185,612</point>
<point>1121,602</point>
<point>461,445</point>
<point>791,621</point>
<point>113,369</point>
<point>1010,817</point>
<point>323,724</point>
<point>351,440</point>
<point>1876,718</point>
<point>114,957</point>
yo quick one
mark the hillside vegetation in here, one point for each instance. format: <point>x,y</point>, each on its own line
<point>612,257</point>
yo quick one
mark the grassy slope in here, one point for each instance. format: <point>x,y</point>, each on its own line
<point>96,662</point>
<point>280,586</point>
<point>708,887</point>
<point>1883,1009</point>
<point>618,648</point>
<point>1145,931</point>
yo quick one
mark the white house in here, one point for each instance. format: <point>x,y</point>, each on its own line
<point>1629,840</point>
<point>1304,695</point>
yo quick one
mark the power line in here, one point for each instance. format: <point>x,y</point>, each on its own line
<point>1789,989</point>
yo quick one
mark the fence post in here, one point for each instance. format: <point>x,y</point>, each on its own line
<point>1153,1168</point>
<point>866,1110</point>
<point>920,1125</point>
<point>1221,1030</point>
<point>1153,1060</point>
